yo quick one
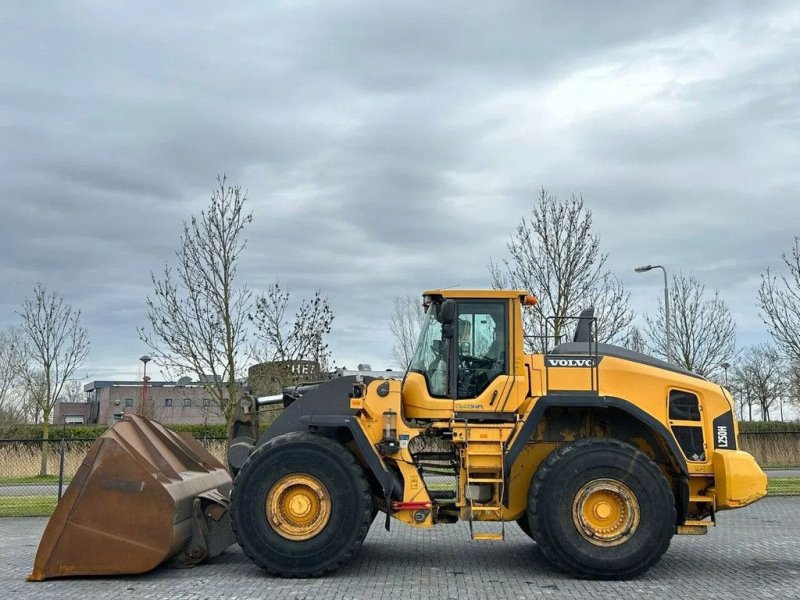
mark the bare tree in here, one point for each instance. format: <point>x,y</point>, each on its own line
<point>52,345</point>
<point>793,385</point>
<point>405,325</point>
<point>634,340</point>
<point>73,392</point>
<point>8,375</point>
<point>779,301</point>
<point>32,393</point>
<point>301,338</point>
<point>198,312</point>
<point>743,400</point>
<point>555,255</point>
<point>11,393</point>
<point>703,329</point>
<point>759,376</point>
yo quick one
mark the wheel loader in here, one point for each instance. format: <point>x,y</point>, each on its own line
<point>598,453</point>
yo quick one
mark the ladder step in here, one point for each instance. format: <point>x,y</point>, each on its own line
<point>486,508</point>
<point>707,499</point>
<point>483,453</point>
<point>484,535</point>
<point>695,523</point>
<point>484,480</point>
<point>691,529</point>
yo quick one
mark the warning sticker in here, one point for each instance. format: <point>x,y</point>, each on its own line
<point>404,440</point>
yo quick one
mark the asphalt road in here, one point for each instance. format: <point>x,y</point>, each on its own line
<point>782,473</point>
<point>753,553</point>
<point>30,489</point>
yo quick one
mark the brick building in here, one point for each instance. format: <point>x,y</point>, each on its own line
<point>186,401</point>
<point>172,402</point>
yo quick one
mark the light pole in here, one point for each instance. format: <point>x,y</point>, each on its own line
<point>725,366</point>
<point>666,304</point>
<point>143,406</point>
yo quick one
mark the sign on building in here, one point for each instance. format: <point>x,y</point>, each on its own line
<point>270,378</point>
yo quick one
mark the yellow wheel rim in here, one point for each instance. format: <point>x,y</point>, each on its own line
<point>298,506</point>
<point>605,512</point>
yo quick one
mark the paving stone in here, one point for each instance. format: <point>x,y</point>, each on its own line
<point>753,553</point>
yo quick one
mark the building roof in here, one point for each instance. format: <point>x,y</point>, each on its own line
<point>96,385</point>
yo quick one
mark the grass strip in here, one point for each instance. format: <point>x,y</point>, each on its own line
<point>27,506</point>
<point>51,479</point>
<point>783,486</point>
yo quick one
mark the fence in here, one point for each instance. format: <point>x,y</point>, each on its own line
<point>772,448</point>
<point>23,492</point>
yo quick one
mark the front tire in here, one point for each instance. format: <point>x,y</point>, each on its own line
<point>601,509</point>
<point>301,506</point>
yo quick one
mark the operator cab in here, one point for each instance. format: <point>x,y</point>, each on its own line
<point>463,358</point>
<point>475,332</point>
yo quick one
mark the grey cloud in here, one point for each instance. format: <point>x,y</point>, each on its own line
<point>379,146</point>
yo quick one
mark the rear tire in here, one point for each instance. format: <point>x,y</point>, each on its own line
<point>601,509</point>
<point>313,545</point>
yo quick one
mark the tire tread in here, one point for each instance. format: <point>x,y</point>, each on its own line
<point>352,465</point>
<point>539,487</point>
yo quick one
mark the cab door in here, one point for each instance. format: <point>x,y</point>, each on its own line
<point>481,356</point>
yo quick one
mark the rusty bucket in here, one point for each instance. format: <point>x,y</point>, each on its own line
<point>142,496</point>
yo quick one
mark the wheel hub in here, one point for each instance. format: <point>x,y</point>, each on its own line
<point>605,512</point>
<point>298,506</point>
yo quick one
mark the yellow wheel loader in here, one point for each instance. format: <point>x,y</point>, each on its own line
<point>598,453</point>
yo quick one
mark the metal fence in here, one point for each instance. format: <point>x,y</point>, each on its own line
<point>25,492</point>
<point>772,448</point>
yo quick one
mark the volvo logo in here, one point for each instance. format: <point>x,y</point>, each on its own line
<point>570,362</point>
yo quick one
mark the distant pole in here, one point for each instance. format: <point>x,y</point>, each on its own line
<point>725,366</point>
<point>61,451</point>
<point>666,305</point>
<point>143,405</point>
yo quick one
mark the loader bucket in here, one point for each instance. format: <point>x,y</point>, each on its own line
<point>142,496</point>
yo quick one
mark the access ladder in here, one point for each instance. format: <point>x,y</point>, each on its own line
<point>483,465</point>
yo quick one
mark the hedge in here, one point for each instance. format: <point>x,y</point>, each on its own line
<point>84,432</point>
<point>767,426</point>
<point>34,432</point>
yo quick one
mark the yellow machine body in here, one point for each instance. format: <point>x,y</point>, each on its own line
<point>623,399</point>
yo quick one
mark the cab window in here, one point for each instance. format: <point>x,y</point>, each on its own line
<point>482,346</point>
<point>683,406</point>
<point>432,356</point>
<point>686,422</point>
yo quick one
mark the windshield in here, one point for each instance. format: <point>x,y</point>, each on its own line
<point>432,353</point>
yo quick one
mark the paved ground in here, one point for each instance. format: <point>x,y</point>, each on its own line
<point>30,489</point>
<point>779,473</point>
<point>753,553</point>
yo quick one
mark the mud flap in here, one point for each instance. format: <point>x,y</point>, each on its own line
<point>142,496</point>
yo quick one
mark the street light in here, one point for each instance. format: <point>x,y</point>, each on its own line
<point>143,406</point>
<point>666,304</point>
<point>725,366</point>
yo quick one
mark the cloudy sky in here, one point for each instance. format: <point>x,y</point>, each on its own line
<point>390,147</point>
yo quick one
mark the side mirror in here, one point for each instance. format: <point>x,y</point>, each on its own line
<point>447,313</point>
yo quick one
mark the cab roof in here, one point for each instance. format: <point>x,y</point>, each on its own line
<point>459,293</point>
